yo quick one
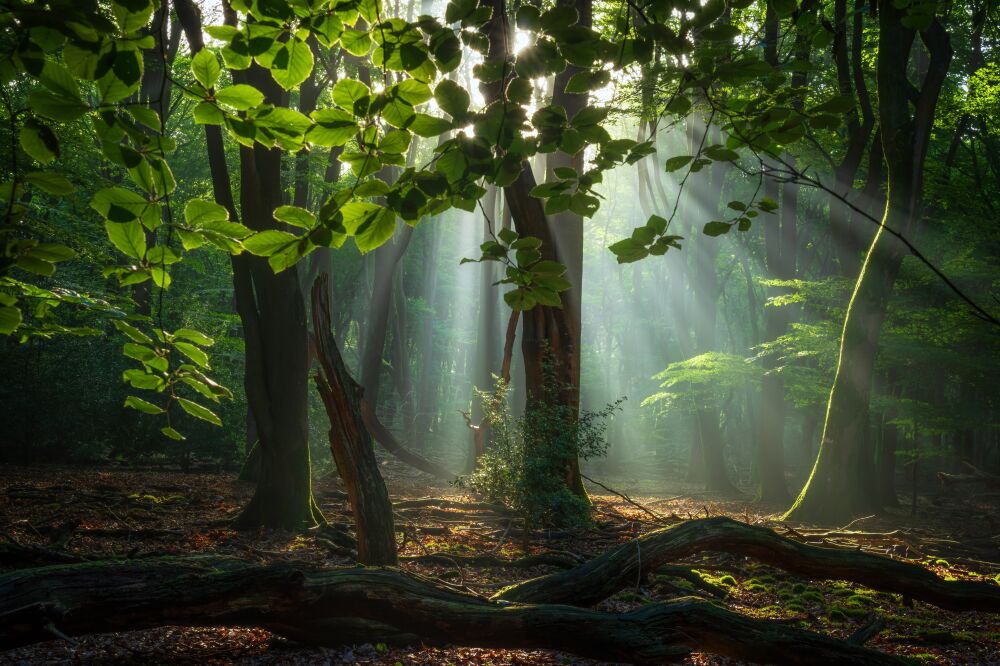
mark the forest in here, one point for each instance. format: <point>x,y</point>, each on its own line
<point>499,332</point>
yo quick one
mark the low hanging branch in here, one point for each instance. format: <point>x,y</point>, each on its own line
<point>620,567</point>
<point>350,441</point>
<point>388,441</point>
<point>355,605</point>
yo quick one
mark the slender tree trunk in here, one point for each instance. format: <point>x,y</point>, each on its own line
<point>841,482</point>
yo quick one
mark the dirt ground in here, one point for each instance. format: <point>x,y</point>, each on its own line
<point>119,512</point>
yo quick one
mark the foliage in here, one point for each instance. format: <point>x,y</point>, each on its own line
<point>524,466</point>
<point>700,379</point>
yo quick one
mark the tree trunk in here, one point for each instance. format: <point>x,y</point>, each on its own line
<point>332,607</point>
<point>350,441</point>
<point>841,483</point>
<point>272,312</point>
<point>550,335</point>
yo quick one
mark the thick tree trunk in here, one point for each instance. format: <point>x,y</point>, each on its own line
<point>842,480</point>
<point>620,567</point>
<point>350,441</point>
<point>272,312</point>
<point>355,605</point>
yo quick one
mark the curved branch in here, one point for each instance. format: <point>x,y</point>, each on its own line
<point>620,567</point>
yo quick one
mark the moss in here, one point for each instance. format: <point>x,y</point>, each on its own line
<point>798,588</point>
<point>860,599</point>
<point>836,615</point>
<point>728,580</point>
<point>812,596</point>
<point>794,607</point>
<point>756,587</point>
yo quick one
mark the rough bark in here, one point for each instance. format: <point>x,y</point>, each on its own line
<point>841,483</point>
<point>350,441</point>
<point>355,605</point>
<point>623,565</point>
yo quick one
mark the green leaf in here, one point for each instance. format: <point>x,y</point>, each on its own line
<point>352,95</point>
<point>585,81</point>
<point>10,319</point>
<point>333,127</point>
<point>292,64</point>
<point>519,299</point>
<point>452,98</point>
<point>198,411</point>
<point>57,107</point>
<point>628,250</point>
<point>172,434</point>
<point>266,243</point>
<point>197,356</point>
<point>50,182</point>
<point>198,212</point>
<point>678,162</point>
<point>141,379</point>
<point>716,228</point>
<point>128,237</point>
<point>133,333</point>
<point>396,141</point>
<point>39,142</point>
<point>295,216</point>
<point>241,96</point>
<point>428,126</point>
<point>194,336</point>
<point>143,405</point>
<point>205,67</point>
<point>356,42</point>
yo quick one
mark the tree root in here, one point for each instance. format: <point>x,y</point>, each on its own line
<point>623,565</point>
<point>353,605</point>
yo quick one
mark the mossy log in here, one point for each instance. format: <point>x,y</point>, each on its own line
<point>356,605</point>
<point>622,566</point>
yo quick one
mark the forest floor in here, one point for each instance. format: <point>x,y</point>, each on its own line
<point>120,512</point>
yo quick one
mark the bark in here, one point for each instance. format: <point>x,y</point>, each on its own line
<point>841,483</point>
<point>350,441</point>
<point>333,607</point>
<point>620,567</point>
<point>272,312</point>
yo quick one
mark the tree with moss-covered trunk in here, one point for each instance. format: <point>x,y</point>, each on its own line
<point>842,482</point>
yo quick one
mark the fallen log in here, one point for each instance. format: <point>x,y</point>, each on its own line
<point>355,605</point>
<point>622,566</point>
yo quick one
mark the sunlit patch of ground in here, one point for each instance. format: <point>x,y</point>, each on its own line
<point>129,513</point>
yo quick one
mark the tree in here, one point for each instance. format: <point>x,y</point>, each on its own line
<point>842,482</point>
